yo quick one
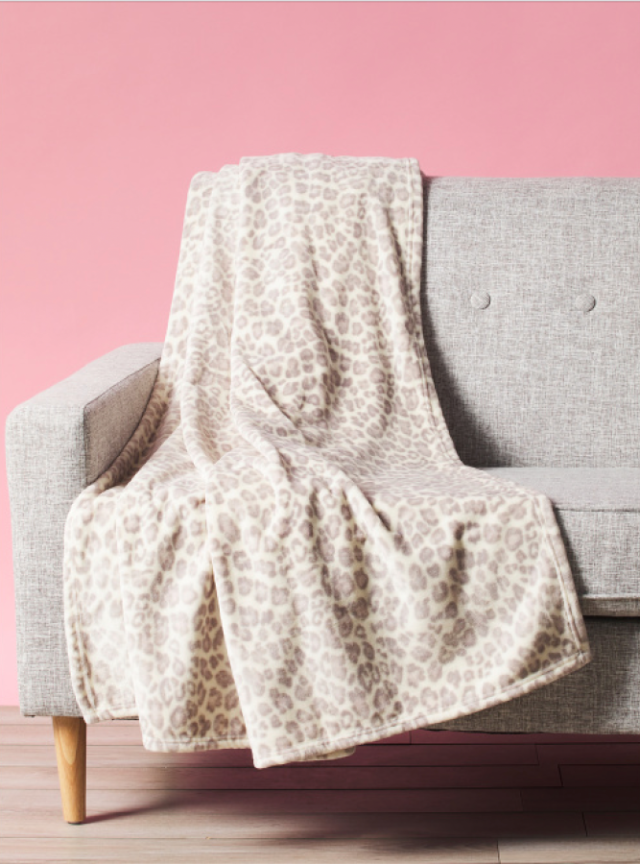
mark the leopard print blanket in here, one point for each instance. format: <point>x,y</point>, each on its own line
<point>289,555</point>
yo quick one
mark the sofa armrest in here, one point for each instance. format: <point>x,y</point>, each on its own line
<point>57,443</point>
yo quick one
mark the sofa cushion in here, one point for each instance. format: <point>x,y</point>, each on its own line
<point>598,511</point>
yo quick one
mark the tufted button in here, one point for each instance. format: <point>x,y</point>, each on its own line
<point>480,299</point>
<point>584,302</point>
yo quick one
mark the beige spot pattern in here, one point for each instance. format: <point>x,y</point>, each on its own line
<point>289,555</point>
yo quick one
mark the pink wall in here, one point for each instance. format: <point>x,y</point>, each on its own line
<point>108,109</point>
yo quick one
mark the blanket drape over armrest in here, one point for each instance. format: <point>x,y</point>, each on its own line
<point>289,554</point>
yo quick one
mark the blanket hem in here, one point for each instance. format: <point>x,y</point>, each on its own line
<point>373,734</point>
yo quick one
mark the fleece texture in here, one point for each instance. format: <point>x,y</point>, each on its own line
<point>289,555</point>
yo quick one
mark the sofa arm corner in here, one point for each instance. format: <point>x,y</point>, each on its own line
<point>57,443</point>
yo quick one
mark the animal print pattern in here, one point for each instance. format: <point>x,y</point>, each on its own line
<point>289,555</point>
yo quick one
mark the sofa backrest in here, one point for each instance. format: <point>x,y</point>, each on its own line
<point>531,313</point>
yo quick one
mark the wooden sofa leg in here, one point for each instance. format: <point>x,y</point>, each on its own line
<point>70,735</point>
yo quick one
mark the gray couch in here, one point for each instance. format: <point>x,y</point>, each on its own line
<point>531,309</point>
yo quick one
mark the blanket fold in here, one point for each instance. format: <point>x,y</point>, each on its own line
<point>289,554</point>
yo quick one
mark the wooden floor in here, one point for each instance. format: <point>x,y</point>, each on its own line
<point>422,796</point>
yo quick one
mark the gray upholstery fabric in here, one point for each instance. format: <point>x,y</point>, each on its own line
<point>56,444</point>
<point>601,698</point>
<point>531,379</point>
<point>610,607</point>
<point>598,511</point>
<point>592,489</point>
